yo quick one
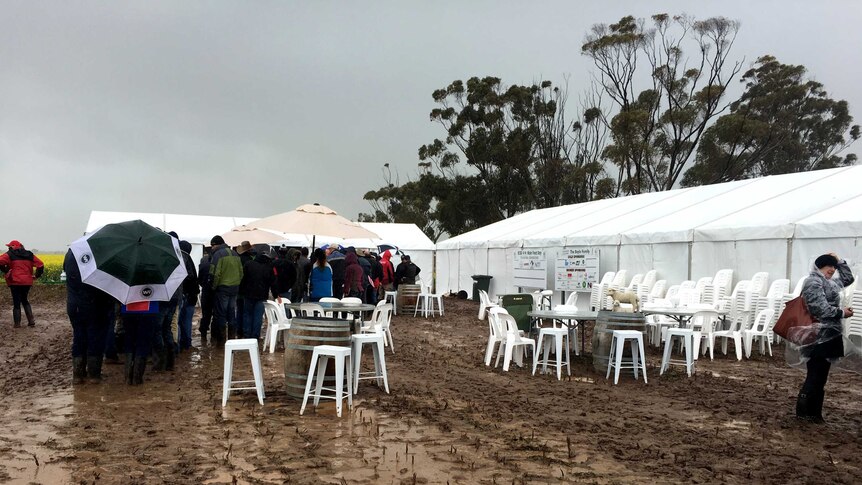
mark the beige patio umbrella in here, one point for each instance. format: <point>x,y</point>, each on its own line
<point>238,234</point>
<point>314,220</point>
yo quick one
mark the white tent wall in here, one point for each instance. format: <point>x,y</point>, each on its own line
<point>776,224</point>
<point>805,251</point>
<point>447,271</point>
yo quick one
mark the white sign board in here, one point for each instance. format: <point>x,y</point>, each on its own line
<point>530,268</point>
<point>576,269</point>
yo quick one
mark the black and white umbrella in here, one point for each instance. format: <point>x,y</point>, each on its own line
<point>132,261</point>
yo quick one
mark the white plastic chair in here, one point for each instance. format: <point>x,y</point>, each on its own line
<point>649,280</point>
<point>733,333</point>
<point>311,310</point>
<point>382,317</point>
<point>573,324</point>
<point>853,325</point>
<point>351,300</point>
<point>760,330</point>
<point>485,304</point>
<point>688,297</point>
<point>619,280</point>
<point>607,278</point>
<point>496,335</point>
<point>276,322</point>
<point>659,288</point>
<point>514,339</point>
<point>635,282</point>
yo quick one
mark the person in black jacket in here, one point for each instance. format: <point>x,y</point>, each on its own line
<point>206,295</point>
<point>285,272</point>
<point>189,299</point>
<point>406,272</point>
<point>258,280</point>
<point>89,310</point>
<point>335,259</point>
<point>304,265</point>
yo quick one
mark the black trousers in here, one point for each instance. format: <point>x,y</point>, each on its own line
<point>19,296</point>
<point>818,373</point>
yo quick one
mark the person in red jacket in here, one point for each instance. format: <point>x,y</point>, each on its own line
<point>388,278</point>
<point>18,264</point>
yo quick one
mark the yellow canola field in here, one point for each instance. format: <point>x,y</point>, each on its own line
<point>53,267</point>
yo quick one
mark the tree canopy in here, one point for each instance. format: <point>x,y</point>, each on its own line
<point>653,119</point>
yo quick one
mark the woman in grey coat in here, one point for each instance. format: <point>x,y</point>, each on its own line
<point>822,295</point>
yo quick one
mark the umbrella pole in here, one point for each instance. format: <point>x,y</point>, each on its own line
<point>308,286</point>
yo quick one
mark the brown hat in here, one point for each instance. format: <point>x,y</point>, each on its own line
<point>243,247</point>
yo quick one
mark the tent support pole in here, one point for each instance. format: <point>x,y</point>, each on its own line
<point>690,244</point>
<point>789,256</point>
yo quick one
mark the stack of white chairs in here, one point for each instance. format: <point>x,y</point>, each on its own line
<point>688,285</point>
<point>740,304</point>
<point>649,279</point>
<point>672,295</point>
<point>707,291</point>
<point>499,337</point>
<point>635,282</point>
<point>607,278</point>
<point>721,284</point>
<point>619,281</point>
<point>758,288</point>
<point>774,300</point>
<point>688,297</point>
<point>797,290</point>
<point>853,325</point>
<point>656,324</point>
<point>598,296</point>
<point>658,290</point>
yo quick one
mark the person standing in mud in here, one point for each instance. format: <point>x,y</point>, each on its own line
<point>141,322</point>
<point>89,310</point>
<point>206,294</point>
<point>18,264</point>
<point>822,294</point>
<point>189,299</point>
<point>224,278</point>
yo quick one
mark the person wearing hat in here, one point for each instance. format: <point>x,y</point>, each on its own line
<point>18,264</point>
<point>822,294</point>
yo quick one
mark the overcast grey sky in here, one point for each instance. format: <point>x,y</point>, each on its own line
<point>253,108</point>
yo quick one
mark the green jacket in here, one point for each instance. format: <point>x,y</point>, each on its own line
<point>226,267</point>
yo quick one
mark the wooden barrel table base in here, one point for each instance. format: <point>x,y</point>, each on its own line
<point>305,333</point>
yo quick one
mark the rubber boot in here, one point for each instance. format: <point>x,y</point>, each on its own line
<point>815,410</point>
<point>170,358</point>
<point>94,368</point>
<point>203,339</point>
<point>16,317</point>
<point>31,320</point>
<point>129,370</point>
<point>158,361</point>
<point>803,406</point>
<point>79,370</point>
<point>138,371</point>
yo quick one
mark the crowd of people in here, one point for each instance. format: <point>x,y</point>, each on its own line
<point>231,285</point>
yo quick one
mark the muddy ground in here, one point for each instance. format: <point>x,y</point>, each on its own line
<point>448,419</point>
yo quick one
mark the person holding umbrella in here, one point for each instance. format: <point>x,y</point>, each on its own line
<point>18,264</point>
<point>89,310</point>
<point>140,266</point>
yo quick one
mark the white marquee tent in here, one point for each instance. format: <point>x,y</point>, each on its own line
<point>777,224</point>
<point>198,230</point>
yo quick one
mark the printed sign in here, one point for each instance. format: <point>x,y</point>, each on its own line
<point>530,268</point>
<point>576,269</point>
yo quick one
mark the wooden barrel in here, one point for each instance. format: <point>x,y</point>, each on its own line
<point>406,300</point>
<point>304,334</point>
<point>606,322</point>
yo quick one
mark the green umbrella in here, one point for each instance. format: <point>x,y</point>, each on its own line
<point>131,261</point>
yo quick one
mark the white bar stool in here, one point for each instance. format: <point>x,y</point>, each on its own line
<point>319,359</point>
<point>237,345</point>
<point>618,342</point>
<point>377,340</point>
<point>687,336</point>
<point>557,334</point>
<point>391,296</point>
